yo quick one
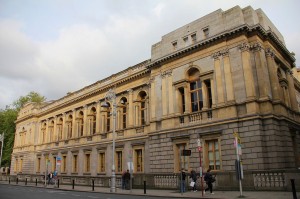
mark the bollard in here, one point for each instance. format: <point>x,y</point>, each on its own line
<point>93,185</point>
<point>73,183</point>
<point>17,181</point>
<point>36,182</point>
<point>294,189</point>
<point>8,180</point>
<point>57,183</point>
<point>25,181</point>
<point>144,187</point>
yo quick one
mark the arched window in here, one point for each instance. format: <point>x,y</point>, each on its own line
<point>59,129</point>
<point>43,134</point>
<point>143,107</point>
<point>80,124</point>
<point>108,111</point>
<point>51,131</point>
<point>195,90</point>
<point>92,121</point>
<point>123,111</point>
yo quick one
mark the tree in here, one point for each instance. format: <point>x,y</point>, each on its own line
<point>8,126</point>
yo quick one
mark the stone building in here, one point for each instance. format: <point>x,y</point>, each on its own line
<point>227,72</point>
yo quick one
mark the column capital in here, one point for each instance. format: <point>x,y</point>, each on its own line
<point>270,52</point>
<point>216,55</point>
<point>166,73</point>
<point>225,52</point>
<point>244,46</point>
<point>256,46</point>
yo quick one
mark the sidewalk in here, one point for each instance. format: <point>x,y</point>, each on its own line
<point>171,193</point>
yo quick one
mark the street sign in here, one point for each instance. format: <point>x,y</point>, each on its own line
<point>58,161</point>
<point>186,152</point>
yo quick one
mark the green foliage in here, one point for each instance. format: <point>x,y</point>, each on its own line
<point>8,126</point>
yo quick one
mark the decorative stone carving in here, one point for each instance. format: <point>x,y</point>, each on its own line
<point>216,55</point>
<point>130,91</point>
<point>244,46</point>
<point>225,52</point>
<point>256,46</point>
<point>166,73</point>
<point>270,53</point>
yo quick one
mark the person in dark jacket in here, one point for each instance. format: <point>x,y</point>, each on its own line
<point>193,176</point>
<point>209,179</point>
<point>127,179</point>
<point>182,183</point>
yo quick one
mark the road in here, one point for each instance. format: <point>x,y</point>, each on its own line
<point>22,192</point>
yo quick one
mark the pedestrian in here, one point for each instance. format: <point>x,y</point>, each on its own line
<point>49,177</point>
<point>127,179</point>
<point>193,177</point>
<point>182,183</point>
<point>209,179</point>
<point>123,180</point>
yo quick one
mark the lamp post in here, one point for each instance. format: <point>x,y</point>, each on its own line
<point>111,96</point>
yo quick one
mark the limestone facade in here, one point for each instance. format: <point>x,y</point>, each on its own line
<point>226,72</point>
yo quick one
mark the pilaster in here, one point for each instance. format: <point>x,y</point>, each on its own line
<point>273,74</point>
<point>228,76</point>
<point>218,77</point>
<point>130,108</point>
<point>291,90</point>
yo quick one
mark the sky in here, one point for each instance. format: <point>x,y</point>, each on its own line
<point>58,46</point>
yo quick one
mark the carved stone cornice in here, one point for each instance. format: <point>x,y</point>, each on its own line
<point>244,46</point>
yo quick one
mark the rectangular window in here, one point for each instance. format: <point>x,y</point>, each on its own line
<point>64,164</point>
<point>108,121</point>
<point>38,167</point>
<point>16,165</point>
<point>194,38</point>
<point>21,165</point>
<point>119,161</point>
<point>180,161</point>
<point>94,124</point>
<point>101,162</point>
<point>174,44</point>
<point>213,154</point>
<point>206,33</point>
<point>181,90</point>
<point>138,160</point>
<point>75,163</point>
<point>186,41</point>
<point>87,162</point>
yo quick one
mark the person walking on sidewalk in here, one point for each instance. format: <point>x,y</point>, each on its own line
<point>182,183</point>
<point>193,177</point>
<point>209,179</point>
<point>127,179</point>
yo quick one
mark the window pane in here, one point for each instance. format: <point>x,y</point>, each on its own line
<point>216,145</point>
<point>193,86</point>
<point>210,146</point>
<point>217,155</point>
<point>210,155</point>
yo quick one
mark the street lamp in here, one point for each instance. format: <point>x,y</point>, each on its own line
<point>111,96</point>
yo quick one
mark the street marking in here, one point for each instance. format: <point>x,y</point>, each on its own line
<point>75,195</point>
<point>92,197</point>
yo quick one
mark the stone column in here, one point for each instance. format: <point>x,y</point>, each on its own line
<point>74,130</point>
<point>213,92</point>
<point>247,69</point>
<point>275,87</point>
<point>164,92</point>
<point>98,107</point>
<point>205,95</point>
<point>152,99</point>
<point>130,108</point>
<point>187,98</point>
<point>262,72</point>
<point>218,78</point>
<point>47,131</point>
<point>228,76</point>
<point>54,129</point>
<point>85,110</point>
<point>170,92</point>
<point>64,127</point>
<point>291,90</point>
